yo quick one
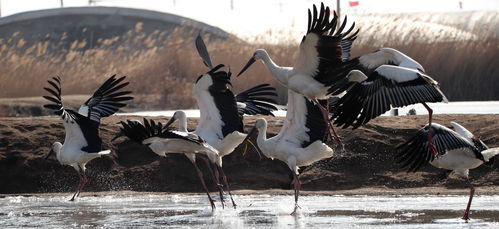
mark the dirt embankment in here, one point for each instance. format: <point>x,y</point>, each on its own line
<point>366,163</point>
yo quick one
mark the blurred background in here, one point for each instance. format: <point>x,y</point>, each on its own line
<point>151,41</point>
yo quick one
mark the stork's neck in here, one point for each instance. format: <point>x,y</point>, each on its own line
<point>278,72</point>
<point>261,140</point>
<point>57,149</point>
<point>182,123</point>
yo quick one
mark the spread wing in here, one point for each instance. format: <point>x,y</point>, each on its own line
<point>106,100</point>
<point>324,48</point>
<point>257,100</point>
<point>80,130</point>
<point>388,86</point>
<point>415,153</point>
<point>138,132</point>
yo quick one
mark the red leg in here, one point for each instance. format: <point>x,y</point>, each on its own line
<point>226,183</point>
<point>77,189</point>
<point>431,145</point>
<point>332,132</point>
<point>297,185</point>
<point>466,216</point>
<point>200,175</point>
<point>216,179</point>
<point>84,182</point>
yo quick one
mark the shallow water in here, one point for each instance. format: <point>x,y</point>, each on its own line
<point>254,211</point>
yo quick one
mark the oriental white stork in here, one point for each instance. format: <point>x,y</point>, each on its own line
<point>458,151</point>
<point>162,140</point>
<point>387,86</point>
<point>82,142</point>
<point>221,112</point>
<point>322,50</point>
<point>300,141</point>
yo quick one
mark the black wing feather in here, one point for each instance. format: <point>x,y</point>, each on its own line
<point>203,52</point>
<point>373,97</point>
<point>414,153</point>
<point>258,100</point>
<point>333,46</point>
<point>106,100</point>
<point>138,132</point>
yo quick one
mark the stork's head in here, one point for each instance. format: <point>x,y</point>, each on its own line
<point>257,55</point>
<point>180,115</point>
<point>56,148</point>
<point>260,123</point>
<point>213,78</point>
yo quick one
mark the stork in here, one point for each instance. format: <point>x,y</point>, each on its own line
<point>458,151</point>
<point>82,143</point>
<point>387,86</point>
<point>162,140</point>
<point>322,50</point>
<point>221,112</point>
<point>300,142</point>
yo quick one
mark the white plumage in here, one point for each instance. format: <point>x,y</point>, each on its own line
<point>321,51</point>
<point>300,142</point>
<point>162,140</point>
<point>458,151</point>
<point>82,142</point>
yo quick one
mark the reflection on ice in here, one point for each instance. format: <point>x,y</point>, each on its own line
<point>191,210</point>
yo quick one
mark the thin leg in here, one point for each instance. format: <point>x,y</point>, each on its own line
<point>200,175</point>
<point>226,183</point>
<point>77,186</point>
<point>431,146</point>
<point>332,132</point>
<point>216,179</point>
<point>297,185</point>
<point>84,182</point>
<point>466,216</point>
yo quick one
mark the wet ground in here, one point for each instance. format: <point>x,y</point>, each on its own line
<point>254,211</point>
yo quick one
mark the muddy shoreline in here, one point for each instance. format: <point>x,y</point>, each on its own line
<point>365,167</point>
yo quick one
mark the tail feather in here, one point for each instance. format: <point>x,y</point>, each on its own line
<point>104,152</point>
<point>490,153</point>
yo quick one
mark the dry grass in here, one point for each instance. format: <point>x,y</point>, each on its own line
<point>462,60</point>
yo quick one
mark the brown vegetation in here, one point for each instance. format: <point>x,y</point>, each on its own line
<point>457,51</point>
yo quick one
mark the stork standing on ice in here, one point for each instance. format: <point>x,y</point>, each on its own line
<point>221,112</point>
<point>162,140</point>
<point>82,142</point>
<point>300,141</point>
<point>458,151</point>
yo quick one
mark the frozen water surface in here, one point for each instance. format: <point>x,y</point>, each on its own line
<point>254,211</point>
<point>473,107</point>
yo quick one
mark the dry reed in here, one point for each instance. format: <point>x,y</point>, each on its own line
<point>460,57</point>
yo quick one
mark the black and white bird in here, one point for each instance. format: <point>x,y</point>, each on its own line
<point>394,80</point>
<point>458,151</point>
<point>221,112</point>
<point>322,50</point>
<point>82,142</point>
<point>301,140</point>
<point>162,140</point>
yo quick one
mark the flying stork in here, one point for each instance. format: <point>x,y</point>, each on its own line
<point>322,50</point>
<point>458,151</point>
<point>394,80</point>
<point>301,140</point>
<point>82,143</point>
